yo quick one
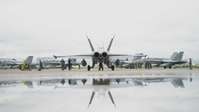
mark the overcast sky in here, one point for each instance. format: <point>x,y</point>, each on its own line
<point>47,27</point>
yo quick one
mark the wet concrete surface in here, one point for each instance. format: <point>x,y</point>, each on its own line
<point>99,91</point>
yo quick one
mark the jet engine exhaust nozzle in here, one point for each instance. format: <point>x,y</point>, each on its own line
<point>104,54</point>
<point>96,54</point>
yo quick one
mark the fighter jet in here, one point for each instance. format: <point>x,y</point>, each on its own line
<point>5,61</point>
<point>100,56</point>
<point>135,58</point>
<point>127,62</point>
<point>176,58</point>
<point>13,63</point>
<point>52,62</point>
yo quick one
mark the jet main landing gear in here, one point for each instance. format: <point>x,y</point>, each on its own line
<point>88,67</point>
<point>101,67</point>
<point>112,67</point>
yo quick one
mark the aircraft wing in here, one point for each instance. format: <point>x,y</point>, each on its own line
<point>119,55</point>
<point>82,56</point>
<point>46,63</point>
<point>171,61</point>
<point>154,61</point>
<point>157,62</point>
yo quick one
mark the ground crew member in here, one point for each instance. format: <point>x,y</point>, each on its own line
<point>190,63</point>
<point>146,64</point>
<point>139,65</point>
<point>100,66</point>
<point>69,64</point>
<point>62,65</point>
<point>133,65</point>
<point>23,66</point>
<point>136,65</point>
<point>40,66</point>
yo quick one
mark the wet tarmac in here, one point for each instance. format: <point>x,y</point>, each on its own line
<point>155,90</point>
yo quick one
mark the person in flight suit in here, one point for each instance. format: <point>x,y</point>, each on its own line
<point>190,63</point>
<point>62,65</point>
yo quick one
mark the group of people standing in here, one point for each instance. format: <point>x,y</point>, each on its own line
<point>148,65</point>
<point>138,65</point>
<point>63,65</point>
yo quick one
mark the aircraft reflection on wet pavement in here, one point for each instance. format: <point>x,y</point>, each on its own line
<point>100,85</point>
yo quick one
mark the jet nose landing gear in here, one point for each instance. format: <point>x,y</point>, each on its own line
<point>88,67</point>
<point>112,67</point>
<point>101,67</point>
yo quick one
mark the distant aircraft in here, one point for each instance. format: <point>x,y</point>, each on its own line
<point>127,62</point>
<point>100,56</point>
<point>158,61</point>
<point>53,62</point>
<point>48,62</point>
<point>176,58</point>
<point>6,63</point>
<point>135,58</point>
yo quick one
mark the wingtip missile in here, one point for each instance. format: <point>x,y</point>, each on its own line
<point>91,99</point>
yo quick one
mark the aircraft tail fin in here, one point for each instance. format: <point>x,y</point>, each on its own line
<point>174,55</point>
<point>92,48</point>
<point>179,56</point>
<point>110,44</point>
<point>29,60</point>
<point>111,97</point>
<point>91,99</point>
